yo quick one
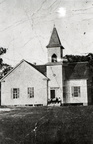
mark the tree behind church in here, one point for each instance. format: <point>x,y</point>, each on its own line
<point>81,58</point>
<point>4,68</point>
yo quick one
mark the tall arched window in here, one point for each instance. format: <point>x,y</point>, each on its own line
<point>54,58</point>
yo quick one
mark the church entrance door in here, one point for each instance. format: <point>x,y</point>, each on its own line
<point>52,93</point>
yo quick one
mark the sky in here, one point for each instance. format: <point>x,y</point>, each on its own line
<point>26,27</point>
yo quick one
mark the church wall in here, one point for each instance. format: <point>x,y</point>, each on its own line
<point>22,77</point>
<point>69,92</point>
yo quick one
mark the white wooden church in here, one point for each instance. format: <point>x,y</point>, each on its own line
<point>56,81</point>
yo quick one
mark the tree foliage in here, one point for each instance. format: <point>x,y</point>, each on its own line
<point>2,51</point>
<point>77,58</point>
<point>4,68</point>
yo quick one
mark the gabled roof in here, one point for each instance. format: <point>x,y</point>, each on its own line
<point>54,40</point>
<point>39,68</point>
<point>77,70</point>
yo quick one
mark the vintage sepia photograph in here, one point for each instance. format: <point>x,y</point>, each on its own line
<point>46,71</point>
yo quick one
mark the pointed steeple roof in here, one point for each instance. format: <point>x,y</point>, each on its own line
<point>54,40</point>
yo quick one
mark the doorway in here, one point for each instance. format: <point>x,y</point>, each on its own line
<point>52,93</point>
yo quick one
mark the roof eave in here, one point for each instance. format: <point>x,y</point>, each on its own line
<point>12,70</point>
<point>55,46</point>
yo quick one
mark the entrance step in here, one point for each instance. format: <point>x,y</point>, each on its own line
<point>54,104</point>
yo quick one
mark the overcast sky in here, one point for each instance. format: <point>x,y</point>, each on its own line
<point>26,26</point>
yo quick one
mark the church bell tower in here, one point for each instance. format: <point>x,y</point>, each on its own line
<point>55,67</point>
<point>55,48</point>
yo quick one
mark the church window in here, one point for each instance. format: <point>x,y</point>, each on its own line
<point>76,91</point>
<point>30,92</point>
<point>15,93</point>
<point>54,58</point>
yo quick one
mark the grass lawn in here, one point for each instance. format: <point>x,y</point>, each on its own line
<point>47,125</point>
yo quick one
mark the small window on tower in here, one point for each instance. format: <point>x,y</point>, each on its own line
<point>54,58</point>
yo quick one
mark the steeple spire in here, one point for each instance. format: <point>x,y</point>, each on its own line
<point>54,40</point>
